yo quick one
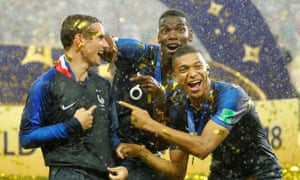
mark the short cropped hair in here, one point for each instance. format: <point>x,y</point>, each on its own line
<point>174,12</point>
<point>73,24</point>
<point>183,50</point>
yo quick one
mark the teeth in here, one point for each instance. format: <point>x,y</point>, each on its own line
<point>194,83</point>
<point>173,46</point>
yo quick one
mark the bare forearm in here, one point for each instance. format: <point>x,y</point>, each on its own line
<point>167,167</point>
<point>185,141</point>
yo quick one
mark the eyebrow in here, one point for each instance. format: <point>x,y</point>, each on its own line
<point>166,24</point>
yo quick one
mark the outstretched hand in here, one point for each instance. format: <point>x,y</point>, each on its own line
<point>139,117</point>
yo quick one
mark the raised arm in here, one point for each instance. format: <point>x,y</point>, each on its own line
<point>200,146</point>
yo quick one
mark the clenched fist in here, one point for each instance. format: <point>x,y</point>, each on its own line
<point>85,117</point>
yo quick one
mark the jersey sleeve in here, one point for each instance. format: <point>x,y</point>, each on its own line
<point>130,51</point>
<point>232,104</point>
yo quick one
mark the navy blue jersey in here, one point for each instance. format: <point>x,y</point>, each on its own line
<point>48,122</point>
<point>246,151</point>
<point>136,58</point>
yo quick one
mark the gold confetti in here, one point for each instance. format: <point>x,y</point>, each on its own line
<point>165,131</point>
<point>149,98</point>
<point>291,172</point>
<point>218,131</point>
<point>79,24</point>
<point>133,121</point>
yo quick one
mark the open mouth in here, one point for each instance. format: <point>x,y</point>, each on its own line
<point>194,84</point>
<point>172,48</point>
<point>100,54</point>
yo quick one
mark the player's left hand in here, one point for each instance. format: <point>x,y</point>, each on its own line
<point>128,150</point>
<point>117,173</point>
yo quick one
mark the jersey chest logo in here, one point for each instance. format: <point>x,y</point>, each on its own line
<point>100,98</point>
<point>65,107</point>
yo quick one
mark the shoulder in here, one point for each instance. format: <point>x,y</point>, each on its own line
<point>229,89</point>
<point>45,78</point>
<point>43,83</point>
<point>230,95</point>
<point>131,43</point>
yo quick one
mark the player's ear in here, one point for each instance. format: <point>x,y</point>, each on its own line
<point>158,38</point>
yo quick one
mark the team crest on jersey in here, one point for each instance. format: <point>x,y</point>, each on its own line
<point>100,98</point>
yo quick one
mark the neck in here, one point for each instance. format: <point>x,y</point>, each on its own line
<point>79,68</point>
<point>199,102</point>
<point>166,66</point>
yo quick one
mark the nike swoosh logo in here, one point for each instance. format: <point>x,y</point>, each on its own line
<point>65,107</point>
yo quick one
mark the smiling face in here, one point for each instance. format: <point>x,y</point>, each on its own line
<point>190,71</point>
<point>93,44</point>
<point>173,33</point>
